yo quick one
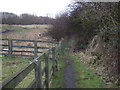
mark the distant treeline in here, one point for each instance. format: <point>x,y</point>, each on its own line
<point>24,19</point>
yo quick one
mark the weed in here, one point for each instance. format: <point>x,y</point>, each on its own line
<point>11,65</point>
<point>57,81</point>
<point>85,77</point>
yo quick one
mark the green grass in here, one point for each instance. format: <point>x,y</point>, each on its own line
<point>35,26</point>
<point>22,29</point>
<point>18,28</point>
<point>13,65</point>
<point>58,79</point>
<point>10,66</point>
<point>85,77</point>
<point>27,80</point>
<point>30,32</point>
<point>14,29</point>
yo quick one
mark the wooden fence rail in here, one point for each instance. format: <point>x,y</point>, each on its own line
<point>35,48</point>
<point>50,60</point>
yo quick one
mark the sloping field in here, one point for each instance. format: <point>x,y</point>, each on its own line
<point>24,32</point>
<point>29,32</point>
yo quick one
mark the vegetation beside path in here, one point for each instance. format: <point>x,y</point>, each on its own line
<point>58,79</point>
<point>84,76</point>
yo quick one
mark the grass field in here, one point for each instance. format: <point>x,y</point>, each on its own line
<point>10,66</point>
<point>26,32</point>
<point>13,65</point>
<point>29,32</point>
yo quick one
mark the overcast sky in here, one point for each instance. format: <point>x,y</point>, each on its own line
<point>38,7</point>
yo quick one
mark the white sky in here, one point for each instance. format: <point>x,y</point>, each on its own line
<point>38,7</point>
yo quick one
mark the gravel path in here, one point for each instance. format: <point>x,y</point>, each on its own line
<point>69,78</point>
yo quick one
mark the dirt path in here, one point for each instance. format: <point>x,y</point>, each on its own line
<point>69,76</point>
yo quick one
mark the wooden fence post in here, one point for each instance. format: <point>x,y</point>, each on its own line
<point>53,60</point>
<point>10,47</point>
<point>46,70</point>
<point>35,49</point>
<point>38,74</point>
<point>55,55</point>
